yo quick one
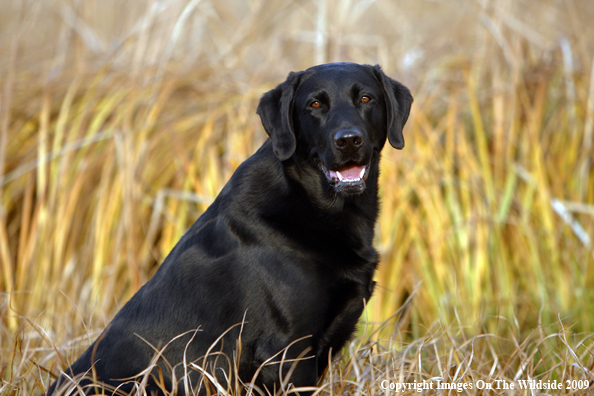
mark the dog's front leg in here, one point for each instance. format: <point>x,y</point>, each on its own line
<point>290,366</point>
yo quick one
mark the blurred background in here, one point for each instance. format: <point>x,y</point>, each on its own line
<point>121,121</point>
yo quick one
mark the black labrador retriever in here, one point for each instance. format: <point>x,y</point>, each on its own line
<point>270,281</point>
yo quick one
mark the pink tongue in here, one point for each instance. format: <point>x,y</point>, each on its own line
<point>352,172</point>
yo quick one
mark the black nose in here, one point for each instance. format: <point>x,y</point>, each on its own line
<point>348,139</point>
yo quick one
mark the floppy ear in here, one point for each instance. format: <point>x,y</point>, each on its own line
<point>276,112</point>
<point>398,101</point>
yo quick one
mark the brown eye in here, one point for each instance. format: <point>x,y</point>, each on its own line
<point>315,104</point>
<point>365,99</point>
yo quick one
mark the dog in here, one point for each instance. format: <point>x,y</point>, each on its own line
<point>269,283</point>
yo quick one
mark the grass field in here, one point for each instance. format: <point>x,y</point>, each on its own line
<point>119,124</point>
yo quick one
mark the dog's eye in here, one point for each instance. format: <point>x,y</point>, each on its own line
<point>315,104</point>
<point>365,99</point>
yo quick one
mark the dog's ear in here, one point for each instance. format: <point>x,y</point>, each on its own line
<point>398,101</point>
<point>276,112</point>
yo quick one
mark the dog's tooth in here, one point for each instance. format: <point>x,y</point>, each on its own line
<point>339,176</point>
<point>362,173</point>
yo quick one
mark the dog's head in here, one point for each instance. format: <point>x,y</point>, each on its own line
<point>336,117</point>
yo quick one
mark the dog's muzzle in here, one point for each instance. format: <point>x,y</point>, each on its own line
<point>348,179</point>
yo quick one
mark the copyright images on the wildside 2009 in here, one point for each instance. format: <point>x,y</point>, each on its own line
<point>497,384</point>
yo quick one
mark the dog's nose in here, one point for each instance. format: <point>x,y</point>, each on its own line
<point>348,139</point>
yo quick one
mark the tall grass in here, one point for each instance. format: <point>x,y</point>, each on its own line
<point>120,124</point>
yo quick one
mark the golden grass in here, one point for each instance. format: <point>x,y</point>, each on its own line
<point>119,125</point>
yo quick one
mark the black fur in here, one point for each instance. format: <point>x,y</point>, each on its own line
<point>285,251</point>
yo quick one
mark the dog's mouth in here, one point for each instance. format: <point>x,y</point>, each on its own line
<point>348,179</point>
